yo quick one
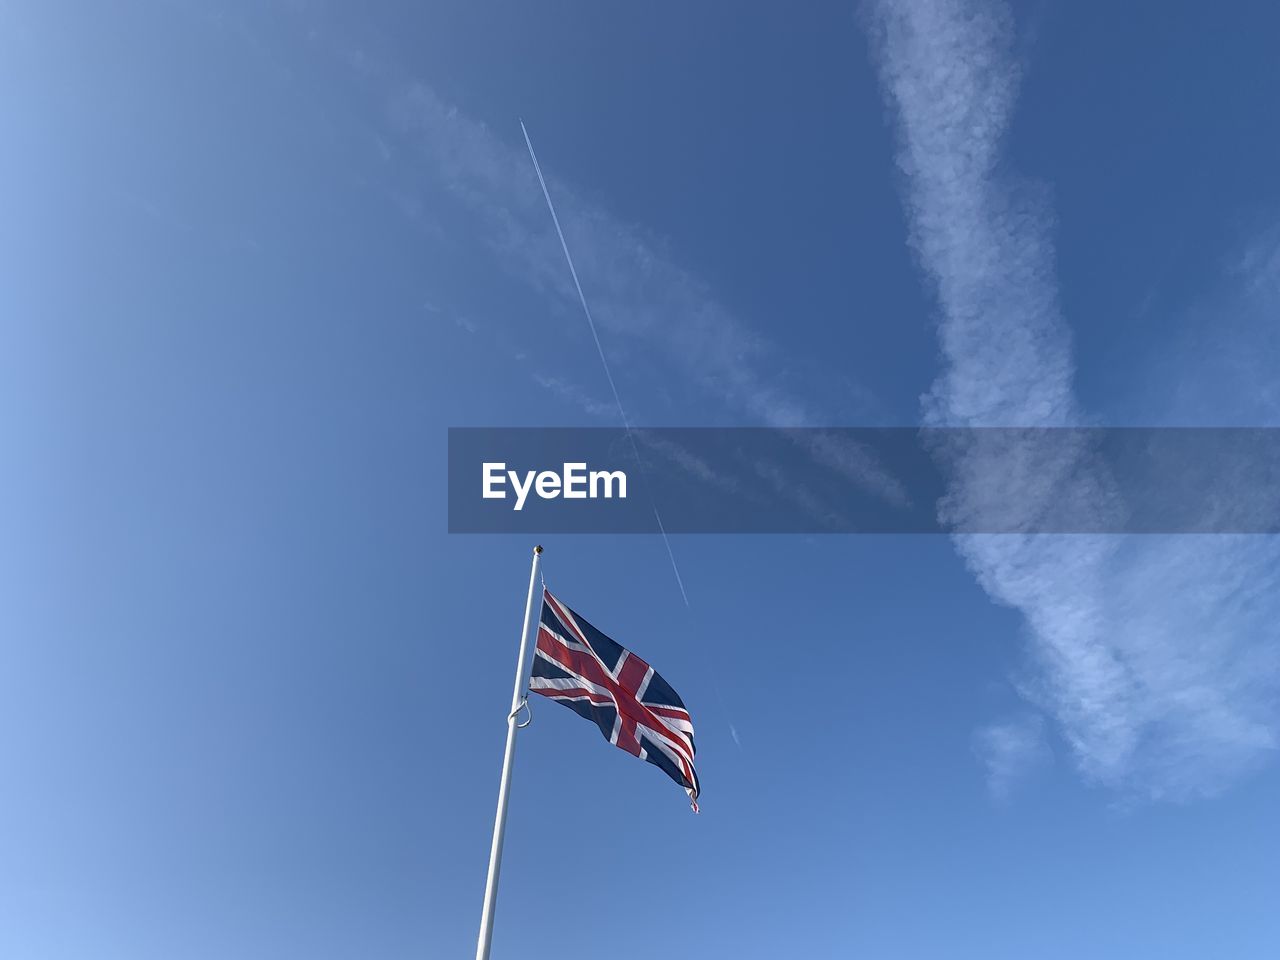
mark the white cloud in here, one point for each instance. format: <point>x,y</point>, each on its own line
<point>1233,338</point>
<point>1157,656</point>
<point>1258,266</point>
<point>1010,751</point>
<point>982,239</point>
<point>648,309</point>
<point>575,396</point>
<point>639,297</point>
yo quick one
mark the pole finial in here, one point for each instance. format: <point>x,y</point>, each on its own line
<point>537,550</point>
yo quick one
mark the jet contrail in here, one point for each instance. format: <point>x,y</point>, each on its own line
<point>600,350</point>
<point>674,568</point>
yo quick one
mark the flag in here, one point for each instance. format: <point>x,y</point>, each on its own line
<point>627,699</point>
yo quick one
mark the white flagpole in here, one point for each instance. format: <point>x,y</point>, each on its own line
<point>504,790</point>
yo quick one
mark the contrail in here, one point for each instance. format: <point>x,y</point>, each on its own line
<point>674,568</point>
<point>626,424</point>
<point>537,168</point>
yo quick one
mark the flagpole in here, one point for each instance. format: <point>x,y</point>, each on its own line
<point>504,790</point>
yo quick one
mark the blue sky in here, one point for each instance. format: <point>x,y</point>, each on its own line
<point>258,257</point>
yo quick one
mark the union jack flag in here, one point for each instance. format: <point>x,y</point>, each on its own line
<point>597,678</point>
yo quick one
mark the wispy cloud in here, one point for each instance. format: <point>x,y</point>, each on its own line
<point>649,310</point>
<point>1258,266</point>
<point>1011,751</point>
<point>639,296</point>
<point>981,237</point>
<point>663,323</point>
<point>1156,656</point>
<point>663,327</point>
<point>575,396</point>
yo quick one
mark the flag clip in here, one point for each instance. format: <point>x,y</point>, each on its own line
<point>524,705</point>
